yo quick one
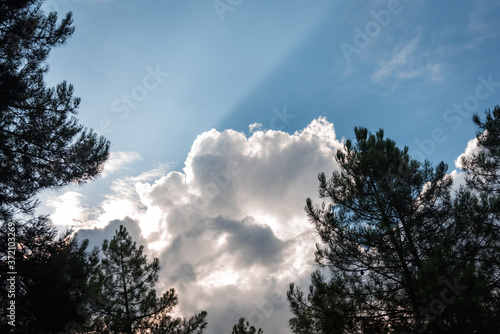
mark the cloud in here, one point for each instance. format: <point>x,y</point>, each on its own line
<point>254,127</point>
<point>229,228</point>
<point>405,64</point>
<point>480,23</point>
<point>67,209</point>
<point>97,235</point>
<point>471,150</point>
<point>118,161</point>
<point>459,175</point>
<point>124,201</point>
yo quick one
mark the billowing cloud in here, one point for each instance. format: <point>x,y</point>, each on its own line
<point>471,150</point>
<point>97,235</point>
<point>458,174</point>
<point>230,229</point>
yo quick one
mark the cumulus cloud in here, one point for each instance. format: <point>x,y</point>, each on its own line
<point>229,228</point>
<point>122,200</point>
<point>459,176</point>
<point>471,150</point>
<point>97,235</point>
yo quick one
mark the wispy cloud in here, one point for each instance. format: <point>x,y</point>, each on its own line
<point>118,161</point>
<point>479,21</point>
<point>481,25</point>
<point>406,63</point>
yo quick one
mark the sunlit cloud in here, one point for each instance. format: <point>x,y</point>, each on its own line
<point>118,161</point>
<point>67,209</point>
<point>231,222</point>
<point>471,150</point>
<point>229,226</point>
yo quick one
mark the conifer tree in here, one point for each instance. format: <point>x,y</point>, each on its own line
<point>42,145</point>
<point>53,281</point>
<point>396,254</point>
<point>127,301</point>
<point>244,328</point>
<point>478,204</point>
<point>482,167</point>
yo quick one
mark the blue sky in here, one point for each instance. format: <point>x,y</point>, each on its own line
<point>231,73</point>
<point>155,77</point>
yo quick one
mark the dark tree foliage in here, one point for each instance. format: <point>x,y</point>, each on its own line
<point>323,310</point>
<point>398,253</point>
<point>52,282</point>
<point>42,145</point>
<point>483,166</point>
<point>127,301</point>
<point>244,328</point>
<point>479,202</point>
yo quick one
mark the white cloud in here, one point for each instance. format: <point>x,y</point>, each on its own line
<point>230,229</point>
<point>118,161</point>
<point>459,175</point>
<point>254,127</point>
<point>471,150</point>
<point>72,208</point>
<point>406,64</point>
<point>67,209</point>
<point>479,23</point>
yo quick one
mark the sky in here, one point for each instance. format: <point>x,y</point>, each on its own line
<point>222,113</point>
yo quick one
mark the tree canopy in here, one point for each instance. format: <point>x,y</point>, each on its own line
<point>42,145</point>
<point>243,327</point>
<point>401,251</point>
<point>51,279</point>
<point>126,300</point>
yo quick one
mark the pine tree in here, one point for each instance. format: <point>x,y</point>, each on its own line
<point>323,310</point>
<point>42,145</point>
<point>478,204</point>
<point>396,254</point>
<point>51,280</point>
<point>244,328</point>
<point>482,167</point>
<point>127,301</point>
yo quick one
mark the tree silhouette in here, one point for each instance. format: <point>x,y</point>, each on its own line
<point>42,146</point>
<point>127,301</point>
<point>398,252</point>
<point>483,166</point>
<point>244,328</point>
<point>53,281</point>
